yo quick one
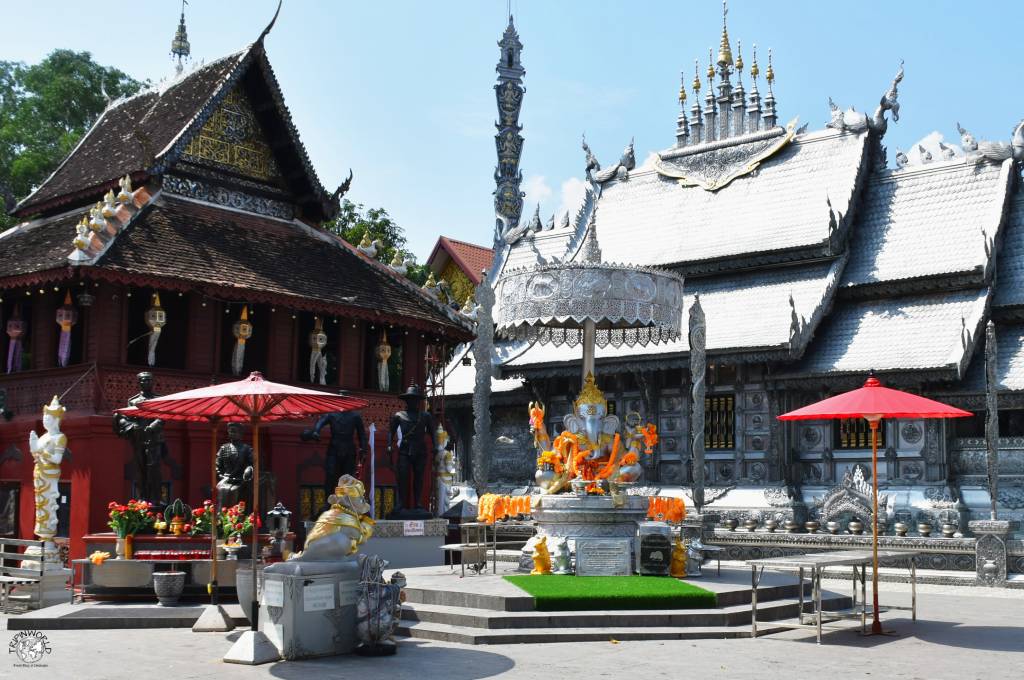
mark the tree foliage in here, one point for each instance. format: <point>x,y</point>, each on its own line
<point>354,220</point>
<point>45,109</point>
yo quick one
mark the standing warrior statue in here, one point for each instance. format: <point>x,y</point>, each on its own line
<point>407,430</point>
<point>147,440</point>
<point>347,430</point>
<point>47,452</point>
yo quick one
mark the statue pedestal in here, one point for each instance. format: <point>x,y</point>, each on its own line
<point>572,516</point>
<point>54,582</point>
<point>310,615</point>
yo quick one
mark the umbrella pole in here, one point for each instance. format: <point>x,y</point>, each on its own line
<point>216,516</point>
<point>255,520</point>
<point>876,624</point>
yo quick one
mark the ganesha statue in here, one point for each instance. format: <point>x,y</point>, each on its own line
<point>593,447</point>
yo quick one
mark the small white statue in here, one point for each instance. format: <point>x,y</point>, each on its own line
<point>561,562</point>
<point>47,452</point>
<point>383,356</point>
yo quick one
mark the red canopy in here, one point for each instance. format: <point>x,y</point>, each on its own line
<point>248,400</point>
<point>875,400</point>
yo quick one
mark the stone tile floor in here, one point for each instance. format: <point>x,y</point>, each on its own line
<point>962,633</point>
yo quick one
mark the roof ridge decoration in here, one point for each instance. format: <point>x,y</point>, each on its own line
<point>509,91</point>
<point>715,165</point>
<point>108,218</point>
<point>852,120</point>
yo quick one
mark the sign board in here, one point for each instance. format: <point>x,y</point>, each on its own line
<point>318,597</point>
<point>273,593</point>
<point>347,595</point>
<point>604,557</point>
<point>654,556</point>
<point>413,527</point>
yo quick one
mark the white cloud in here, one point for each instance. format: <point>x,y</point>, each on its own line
<point>573,191</point>
<point>537,191</point>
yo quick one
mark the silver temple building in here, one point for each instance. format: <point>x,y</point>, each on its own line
<point>816,261</point>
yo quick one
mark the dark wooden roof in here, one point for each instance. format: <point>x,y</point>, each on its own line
<point>265,259</point>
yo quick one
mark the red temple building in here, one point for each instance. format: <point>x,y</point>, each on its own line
<point>194,208</point>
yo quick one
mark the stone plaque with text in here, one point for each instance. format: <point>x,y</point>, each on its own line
<point>603,557</point>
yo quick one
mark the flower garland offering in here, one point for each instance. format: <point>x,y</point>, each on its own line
<point>130,518</point>
<point>494,507</point>
<point>552,458</point>
<point>99,556</point>
<point>666,509</point>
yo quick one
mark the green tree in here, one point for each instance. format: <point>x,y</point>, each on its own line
<point>45,109</point>
<point>354,220</point>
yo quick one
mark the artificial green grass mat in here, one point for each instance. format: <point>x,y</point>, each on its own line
<point>560,593</point>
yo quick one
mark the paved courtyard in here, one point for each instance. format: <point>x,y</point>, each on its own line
<point>962,634</point>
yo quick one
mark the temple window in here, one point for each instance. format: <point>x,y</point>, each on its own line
<point>144,315</point>
<point>855,433</point>
<point>383,368</point>
<point>312,497</point>
<point>312,326</point>
<point>719,421</point>
<point>970,427</point>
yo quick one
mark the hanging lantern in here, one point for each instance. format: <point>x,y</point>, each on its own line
<point>67,316</point>
<point>383,355</point>
<point>317,360</point>
<point>156,319</point>
<point>15,331</point>
<point>242,331</point>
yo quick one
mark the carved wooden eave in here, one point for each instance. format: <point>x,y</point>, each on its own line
<point>714,165</point>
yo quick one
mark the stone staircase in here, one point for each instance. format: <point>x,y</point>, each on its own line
<point>482,619</point>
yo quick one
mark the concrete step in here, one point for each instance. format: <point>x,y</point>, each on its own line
<point>478,636</point>
<point>95,615</point>
<point>725,616</point>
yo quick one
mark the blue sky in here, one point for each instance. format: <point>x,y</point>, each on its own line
<point>401,91</point>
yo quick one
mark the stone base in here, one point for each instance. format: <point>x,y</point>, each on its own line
<point>252,649</point>
<point>572,516</point>
<point>214,619</point>
<point>991,549</point>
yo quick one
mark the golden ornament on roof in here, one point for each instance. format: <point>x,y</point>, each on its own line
<point>739,56</point>
<point>754,70</point>
<point>366,243</point>
<point>590,394</point>
<point>769,75</point>
<point>696,76</point>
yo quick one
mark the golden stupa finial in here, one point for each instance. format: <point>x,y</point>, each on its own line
<point>739,56</point>
<point>769,75</point>
<point>682,90</point>
<point>366,243</point>
<point>724,51</point>
<point>696,76</point>
<point>431,282</point>
<point>711,64</point>
<point>590,394</point>
<point>754,70</point>
<point>396,261</point>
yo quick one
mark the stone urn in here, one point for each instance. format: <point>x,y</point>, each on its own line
<point>925,529</point>
<point>750,525</point>
<point>791,526</point>
<point>856,527</point>
<point>901,528</point>
<point>771,525</point>
<point>833,527</point>
<point>168,586</point>
<point>731,524</point>
<point>948,530</point>
<point>545,476</point>
<point>812,526</point>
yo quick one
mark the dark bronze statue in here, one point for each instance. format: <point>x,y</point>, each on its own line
<point>413,425</point>
<point>347,432</point>
<point>147,440</point>
<point>234,470</point>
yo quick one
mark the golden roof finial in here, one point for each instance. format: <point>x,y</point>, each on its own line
<point>590,394</point>
<point>682,89</point>
<point>711,64</point>
<point>724,51</point>
<point>754,70</point>
<point>769,75</point>
<point>739,56</point>
<point>696,76</point>
<point>365,243</point>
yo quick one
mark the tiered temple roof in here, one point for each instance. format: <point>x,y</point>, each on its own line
<point>806,249</point>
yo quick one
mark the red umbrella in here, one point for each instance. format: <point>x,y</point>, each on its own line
<point>874,402</point>
<point>254,401</point>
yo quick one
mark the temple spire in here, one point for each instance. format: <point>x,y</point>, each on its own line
<point>508,197</point>
<point>770,117</point>
<point>180,48</point>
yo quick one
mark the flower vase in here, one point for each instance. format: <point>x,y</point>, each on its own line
<point>177,526</point>
<point>123,547</point>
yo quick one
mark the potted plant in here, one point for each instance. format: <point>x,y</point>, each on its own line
<point>179,514</point>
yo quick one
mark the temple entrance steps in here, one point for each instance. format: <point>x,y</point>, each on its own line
<point>485,609</point>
